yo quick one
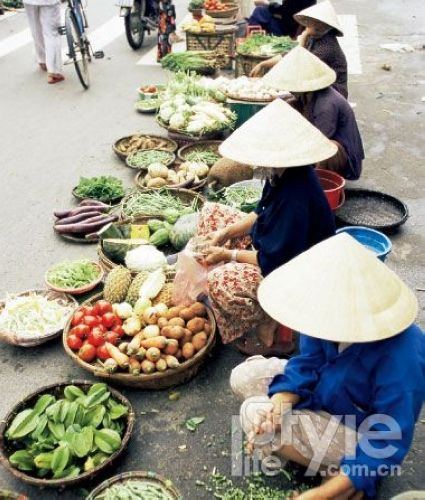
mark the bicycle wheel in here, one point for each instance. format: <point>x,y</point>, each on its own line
<point>134,27</point>
<point>78,48</point>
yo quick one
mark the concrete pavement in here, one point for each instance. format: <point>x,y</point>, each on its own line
<point>51,135</point>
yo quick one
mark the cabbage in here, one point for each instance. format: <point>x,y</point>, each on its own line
<point>184,229</point>
<point>177,121</point>
<point>166,111</point>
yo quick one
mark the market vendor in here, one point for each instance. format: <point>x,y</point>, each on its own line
<point>360,374</point>
<point>311,82</point>
<point>319,38</point>
<point>277,18</point>
<point>293,214</point>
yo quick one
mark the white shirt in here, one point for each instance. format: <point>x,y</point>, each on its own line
<point>41,2</point>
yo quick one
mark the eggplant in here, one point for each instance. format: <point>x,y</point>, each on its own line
<point>85,227</point>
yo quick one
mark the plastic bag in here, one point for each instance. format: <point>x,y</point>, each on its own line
<point>184,229</point>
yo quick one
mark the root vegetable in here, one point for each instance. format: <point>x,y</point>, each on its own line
<point>79,210</point>
<point>110,365</point>
<point>187,314</point>
<point>117,355</point>
<point>162,322</point>
<point>173,312</point>
<point>161,309</point>
<point>159,342</point>
<point>140,354</point>
<point>150,316</point>
<point>134,368</point>
<point>153,354</point>
<point>134,345</point>
<point>96,203</point>
<point>77,218</point>
<point>147,366</point>
<point>151,331</point>
<point>173,332</point>
<point>188,351</point>
<point>157,182</point>
<point>179,354</point>
<point>177,322</point>
<point>172,346</point>
<point>196,325</point>
<point>198,309</point>
<point>199,340</point>
<point>172,361</point>
<point>123,347</point>
<point>187,336</point>
<point>207,328</point>
<point>161,365</point>
<point>85,227</point>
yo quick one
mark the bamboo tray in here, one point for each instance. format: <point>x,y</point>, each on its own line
<point>171,145</point>
<point>57,389</point>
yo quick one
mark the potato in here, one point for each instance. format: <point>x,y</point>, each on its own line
<point>147,366</point>
<point>187,337</point>
<point>151,331</point>
<point>187,314</point>
<point>199,340</point>
<point>150,316</point>
<point>172,347</point>
<point>198,309</point>
<point>207,327</point>
<point>179,354</point>
<point>161,365</point>
<point>173,332</point>
<point>177,322</point>
<point>172,361</point>
<point>173,312</point>
<point>188,351</point>
<point>162,322</point>
<point>196,325</point>
<point>153,354</point>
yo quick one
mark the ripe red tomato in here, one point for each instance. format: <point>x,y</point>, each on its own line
<point>112,338</point>
<point>102,353</point>
<point>80,331</point>
<point>118,329</point>
<point>101,327</point>
<point>118,321</point>
<point>96,337</point>
<point>88,310</point>
<point>77,318</point>
<point>108,319</point>
<point>102,306</point>
<point>90,321</point>
<point>87,353</point>
<point>74,342</point>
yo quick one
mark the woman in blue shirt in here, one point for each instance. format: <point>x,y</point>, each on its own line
<point>293,214</point>
<point>360,375</point>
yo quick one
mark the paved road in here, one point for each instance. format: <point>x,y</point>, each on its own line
<point>50,135</point>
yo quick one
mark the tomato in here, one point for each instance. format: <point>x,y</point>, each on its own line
<point>87,353</point>
<point>102,353</point>
<point>102,306</point>
<point>118,329</point>
<point>77,318</point>
<point>112,338</point>
<point>118,321</point>
<point>88,310</point>
<point>96,337</point>
<point>80,331</point>
<point>101,327</point>
<point>74,342</point>
<point>90,321</point>
<point>108,319</point>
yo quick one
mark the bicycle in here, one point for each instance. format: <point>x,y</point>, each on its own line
<point>80,51</point>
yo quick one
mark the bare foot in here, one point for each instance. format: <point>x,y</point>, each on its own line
<point>43,67</point>
<point>55,78</point>
<point>266,331</point>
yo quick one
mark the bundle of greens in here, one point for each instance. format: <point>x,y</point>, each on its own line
<point>103,188</point>
<point>191,60</point>
<point>265,45</point>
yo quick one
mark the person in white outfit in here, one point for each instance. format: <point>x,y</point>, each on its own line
<point>44,20</point>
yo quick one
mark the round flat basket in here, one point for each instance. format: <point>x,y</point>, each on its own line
<point>57,390</point>
<point>140,176</point>
<point>79,290</point>
<point>212,146</point>
<point>372,209</point>
<point>231,11</point>
<point>180,135</point>
<point>81,198</point>
<point>76,238</point>
<point>162,143</point>
<point>28,340</point>
<point>186,196</point>
<point>149,478</point>
<point>157,380</point>
<point>147,106</point>
<point>249,99</point>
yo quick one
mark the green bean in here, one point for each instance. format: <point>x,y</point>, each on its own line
<point>144,158</point>
<point>150,203</point>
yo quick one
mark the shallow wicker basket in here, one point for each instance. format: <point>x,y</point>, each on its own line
<point>201,145</point>
<point>15,339</point>
<point>167,163</point>
<point>81,198</point>
<point>57,390</point>
<point>187,196</point>
<point>155,381</point>
<point>180,135</point>
<point>231,11</point>
<point>148,477</point>
<point>139,180</point>
<point>171,146</point>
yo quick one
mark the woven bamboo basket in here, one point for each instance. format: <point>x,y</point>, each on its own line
<point>148,477</point>
<point>57,390</point>
<point>245,63</point>
<point>223,42</point>
<point>14,338</point>
<point>231,11</point>
<point>201,145</point>
<point>139,180</point>
<point>171,145</point>
<point>81,198</point>
<point>157,380</point>
<point>187,197</point>
<point>170,161</point>
<point>181,136</point>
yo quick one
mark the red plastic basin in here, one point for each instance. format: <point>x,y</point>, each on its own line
<point>333,186</point>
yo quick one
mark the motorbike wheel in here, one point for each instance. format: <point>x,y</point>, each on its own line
<point>134,27</point>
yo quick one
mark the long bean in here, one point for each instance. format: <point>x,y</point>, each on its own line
<point>150,203</point>
<point>134,490</point>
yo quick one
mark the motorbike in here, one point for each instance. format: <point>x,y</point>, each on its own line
<point>140,17</point>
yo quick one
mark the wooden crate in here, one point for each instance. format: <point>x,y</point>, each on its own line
<point>222,43</point>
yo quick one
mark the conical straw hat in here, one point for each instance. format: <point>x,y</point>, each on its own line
<point>339,291</point>
<point>300,71</point>
<point>323,12</point>
<point>277,137</point>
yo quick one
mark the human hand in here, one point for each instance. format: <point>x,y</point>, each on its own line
<point>259,3</point>
<point>312,494</point>
<point>219,238</point>
<point>215,255</point>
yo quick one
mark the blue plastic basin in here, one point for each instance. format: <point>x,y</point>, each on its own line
<point>371,239</point>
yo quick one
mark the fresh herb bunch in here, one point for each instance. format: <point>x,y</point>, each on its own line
<point>62,438</point>
<point>103,188</point>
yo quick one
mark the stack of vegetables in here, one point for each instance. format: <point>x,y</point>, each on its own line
<point>137,142</point>
<point>62,438</point>
<point>193,86</point>
<point>265,45</point>
<point>135,329</point>
<point>188,174</point>
<point>199,61</point>
<point>205,25</point>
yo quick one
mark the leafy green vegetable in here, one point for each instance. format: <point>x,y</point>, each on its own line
<point>73,274</point>
<point>258,44</point>
<point>193,423</point>
<point>243,198</point>
<point>103,188</point>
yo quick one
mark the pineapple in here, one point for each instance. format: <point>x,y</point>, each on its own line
<point>117,284</point>
<point>133,291</point>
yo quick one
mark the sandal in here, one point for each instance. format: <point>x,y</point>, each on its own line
<point>55,78</point>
